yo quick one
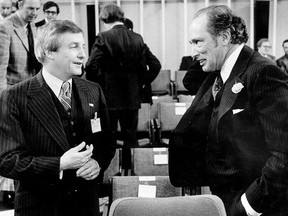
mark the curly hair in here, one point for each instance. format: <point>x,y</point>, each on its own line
<point>221,18</point>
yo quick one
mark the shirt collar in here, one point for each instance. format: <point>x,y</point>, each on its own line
<point>53,82</point>
<point>229,63</point>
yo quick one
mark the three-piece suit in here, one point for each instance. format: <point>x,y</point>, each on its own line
<point>238,143</point>
<point>35,131</point>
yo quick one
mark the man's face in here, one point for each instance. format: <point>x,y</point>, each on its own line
<point>285,48</point>
<point>5,8</point>
<point>207,50</point>
<point>69,57</point>
<point>51,13</point>
<point>265,47</point>
<point>29,10</point>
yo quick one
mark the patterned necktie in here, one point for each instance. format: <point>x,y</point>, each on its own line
<point>218,84</point>
<point>65,95</point>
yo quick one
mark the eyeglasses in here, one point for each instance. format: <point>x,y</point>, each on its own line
<point>51,12</point>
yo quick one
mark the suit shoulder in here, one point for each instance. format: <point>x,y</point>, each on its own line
<point>87,83</point>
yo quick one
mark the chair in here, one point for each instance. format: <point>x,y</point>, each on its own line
<point>156,100</point>
<point>143,186</point>
<point>169,114</point>
<point>200,205</point>
<point>144,128</point>
<point>149,161</point>
<point>185,98</point>
<point>162,84</point>
<point>178,83</point>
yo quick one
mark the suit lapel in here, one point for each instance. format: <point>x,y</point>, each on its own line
<point>228,97</point>
<point>20,31</point>
<point>42,105</point>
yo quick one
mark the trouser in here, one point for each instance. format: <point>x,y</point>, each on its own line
<point>128,120</point>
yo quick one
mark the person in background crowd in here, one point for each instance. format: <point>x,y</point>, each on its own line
<point>283,61</point>
<point>54,130</point>
<point>234,136</point>
<point>5,8</point>
<point>118,63</point>
<point>154,67</point>
<point>51,11</point>
<point>17,57</point>
<point>264,47</point>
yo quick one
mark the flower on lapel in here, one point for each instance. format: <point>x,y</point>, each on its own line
<point>237,87</point>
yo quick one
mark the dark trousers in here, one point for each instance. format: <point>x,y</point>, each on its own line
<point>128,120</point>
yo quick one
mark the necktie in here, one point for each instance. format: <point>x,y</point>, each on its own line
<point>218,84</point>
<point>32,61</point>
<point>65,95</point>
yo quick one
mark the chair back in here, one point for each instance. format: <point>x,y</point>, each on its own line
<point>162,83</point>
<point>200,205</point>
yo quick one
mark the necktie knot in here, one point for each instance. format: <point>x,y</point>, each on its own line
<point>65,95</point>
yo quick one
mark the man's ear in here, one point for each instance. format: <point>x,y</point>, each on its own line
<point>226,37</point>
<point>49,55</point>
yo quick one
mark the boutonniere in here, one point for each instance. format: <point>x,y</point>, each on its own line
<point>237,87</point>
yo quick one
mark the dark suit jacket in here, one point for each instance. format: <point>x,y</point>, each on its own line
<point>252,130</point>
<point>283,63</point>
<point>14,50</point>
<point>33,140</point>
<point>40,23</point>
<point>118,63</point>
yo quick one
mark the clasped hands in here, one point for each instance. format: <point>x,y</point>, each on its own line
<point>74,158</point>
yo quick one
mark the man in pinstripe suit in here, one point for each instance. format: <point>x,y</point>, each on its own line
<point>56,154</point>
<point>234,136</point>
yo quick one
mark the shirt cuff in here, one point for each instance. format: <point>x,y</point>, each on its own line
<point>61,174</point>
<point>249,210</point>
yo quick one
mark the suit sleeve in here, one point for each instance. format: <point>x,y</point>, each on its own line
<point>270,91</point>
<point>153,63</point>
<point>16,160</point>
<point>4,56</point>
<point>93,65</point>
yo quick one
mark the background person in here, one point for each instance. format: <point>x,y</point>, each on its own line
<point>51,11</point>
<point>17,57</point>
<point>264,47</point>
<point>234,136</point>
<point>5,8</point>
<point>283,61</point>
<point>54,131</point>
<point>118,63</point>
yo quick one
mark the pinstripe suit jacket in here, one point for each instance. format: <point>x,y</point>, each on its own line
<point>33,139</point>
<point>14,50</point>
<point>252,130</point>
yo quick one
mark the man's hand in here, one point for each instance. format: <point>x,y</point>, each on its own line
<point>89,171</point>
<point>74,159</point>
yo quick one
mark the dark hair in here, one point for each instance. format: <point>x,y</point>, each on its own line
<point>261,41</point>
<point>50,35</point>
<point>285,41</point>
<point>50,4</point>
<point>128,23</point>
<point>111,13</point>
<point>221,18</point>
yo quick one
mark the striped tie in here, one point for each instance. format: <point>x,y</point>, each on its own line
<point>65,95</point>
<point>218,84</point>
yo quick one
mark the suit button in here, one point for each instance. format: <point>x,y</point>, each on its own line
<point>213,114</point>
<point>72,123</point>
<point>74,134</point>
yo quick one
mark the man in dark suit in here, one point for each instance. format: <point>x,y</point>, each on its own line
<point>54,131</point>
<point>234,136</point>
<point>51,11</point>
<point>118,63</point>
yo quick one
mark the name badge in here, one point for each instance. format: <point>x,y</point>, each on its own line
<point>95,124</point>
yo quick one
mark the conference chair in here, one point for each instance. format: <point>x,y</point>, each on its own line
<point>200,205</point>
<point>162,84</point>
<point>143,186</point>
<point>179,88</point>
<point>169,114</point>
<point>149,161</point>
